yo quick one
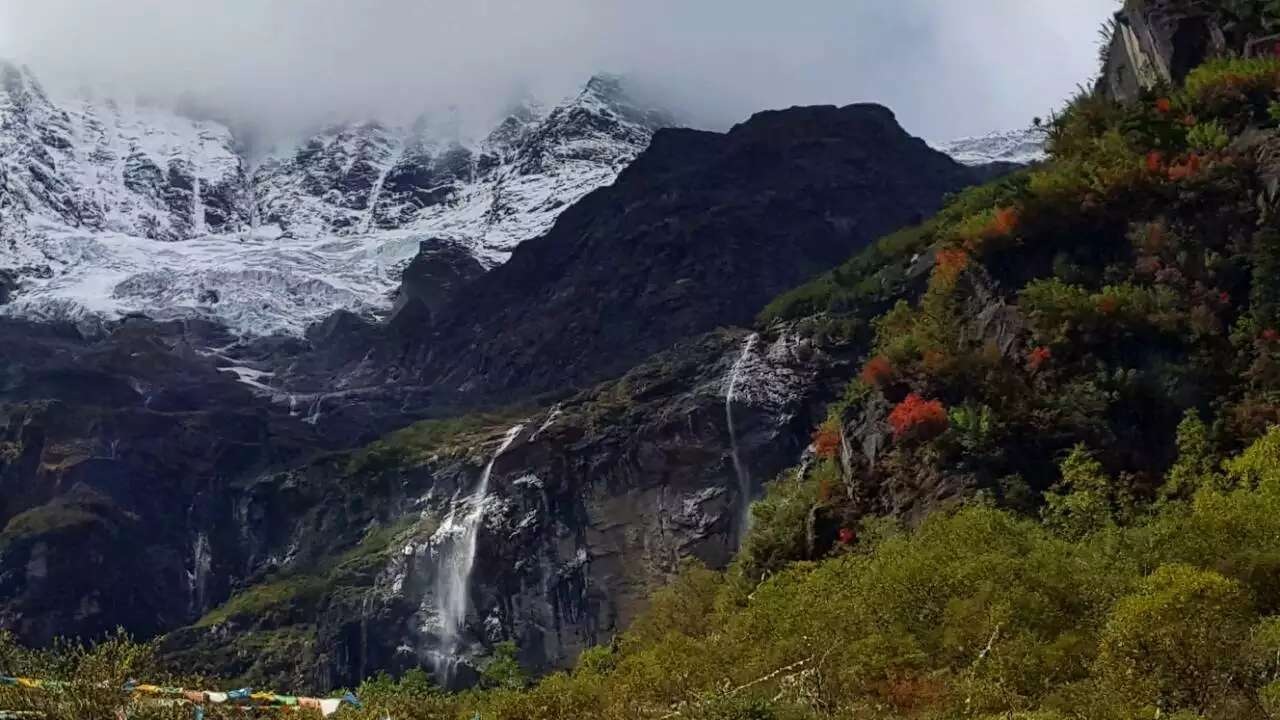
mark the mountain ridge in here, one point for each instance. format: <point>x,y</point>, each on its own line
<point>126,209</point>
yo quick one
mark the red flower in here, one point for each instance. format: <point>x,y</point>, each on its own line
<point>1038,357</point>
<point>847,536</point>
<point>918,417</point>
<point>1224,298</point>
<point>1163,106</point>
<point>1155,161</point>
<point>1270,335</point>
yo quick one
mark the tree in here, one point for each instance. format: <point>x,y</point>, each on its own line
<point>502,669</point>
<point>1197,465</point>
<point>918,418</point>
<point>1176,643</point>
<point>1085,500</point>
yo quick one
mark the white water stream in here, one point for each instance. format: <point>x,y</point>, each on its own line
<point>744,478</point>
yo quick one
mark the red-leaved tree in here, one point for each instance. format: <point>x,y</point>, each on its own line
<point>877,372</point>
<point>918,418</point>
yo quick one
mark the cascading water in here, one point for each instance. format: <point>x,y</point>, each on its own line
<point>317,406</point>
<point>456,562</point>
<point>197,207</point>
<point>198,576</point>
<point>744,479</point>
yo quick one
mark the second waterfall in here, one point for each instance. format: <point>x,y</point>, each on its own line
<point>744,478</point>
<point>457,557</point>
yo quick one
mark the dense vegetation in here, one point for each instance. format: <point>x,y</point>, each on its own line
<point>1088,354</point>
<point>1104,610</point>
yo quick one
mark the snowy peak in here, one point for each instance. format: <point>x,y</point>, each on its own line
<point>108,167</point>
<point>112,208</point>
<point>1011,146</point>
<point>327,184</point>
<point>489,195</point>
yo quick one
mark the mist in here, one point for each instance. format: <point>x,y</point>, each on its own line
<point>948,69</point>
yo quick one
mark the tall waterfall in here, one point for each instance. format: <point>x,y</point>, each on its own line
<point>457,559</point>
<point>197,206</point>
<point>744,479</point>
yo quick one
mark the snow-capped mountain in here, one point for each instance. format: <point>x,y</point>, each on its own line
<point>1011,146</point>
<point>109,209</point>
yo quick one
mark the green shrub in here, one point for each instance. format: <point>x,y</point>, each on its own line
<point>1222,80</point>
<point>1177,642</point>
<point>1208,136</point>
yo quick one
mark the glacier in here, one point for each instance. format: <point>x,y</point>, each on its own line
<point>109,209</point>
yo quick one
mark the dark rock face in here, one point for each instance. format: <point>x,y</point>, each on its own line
<point>109,449</point>
<point>702,230</point>
<point>434,277</point>
<point>422,177</point>
<point>1161,41</point>
<point>592,505</point>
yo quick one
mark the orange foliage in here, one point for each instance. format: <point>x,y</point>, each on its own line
<point>918,417</point>
<point>1155,161</point>
<point>1005,222</point>
<point>1184,170</point>
<point>877,372</point>
<point>826,441</point>
<point>1108,304</point>
<point>1039,357</point>
<point>935,361</point>
<point>948,265</point>
<point>1163,106</point>
<point>911,694</point>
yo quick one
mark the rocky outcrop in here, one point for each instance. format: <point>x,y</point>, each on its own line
<point>434,277</point>
<point>1156,42</point>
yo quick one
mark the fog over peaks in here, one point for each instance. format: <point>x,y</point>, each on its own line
<point>287,66</point>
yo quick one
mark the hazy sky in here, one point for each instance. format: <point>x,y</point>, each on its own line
<point>947,67</point>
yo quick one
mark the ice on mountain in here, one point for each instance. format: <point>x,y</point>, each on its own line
<point>1012,146</point>
<point>127,208</point>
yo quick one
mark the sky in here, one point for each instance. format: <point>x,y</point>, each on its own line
<point>948,68</point>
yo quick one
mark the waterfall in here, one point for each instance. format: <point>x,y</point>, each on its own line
<point>197,206</point>
<point>457,560</point>
<point>198,576</point>
<point>313,416</point>
<point>744,479</point>
<point>376,191</point>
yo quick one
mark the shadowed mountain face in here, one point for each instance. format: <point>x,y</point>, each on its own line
<point>701,231</point>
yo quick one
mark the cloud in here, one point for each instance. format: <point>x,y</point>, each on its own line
<point>947,68</point>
